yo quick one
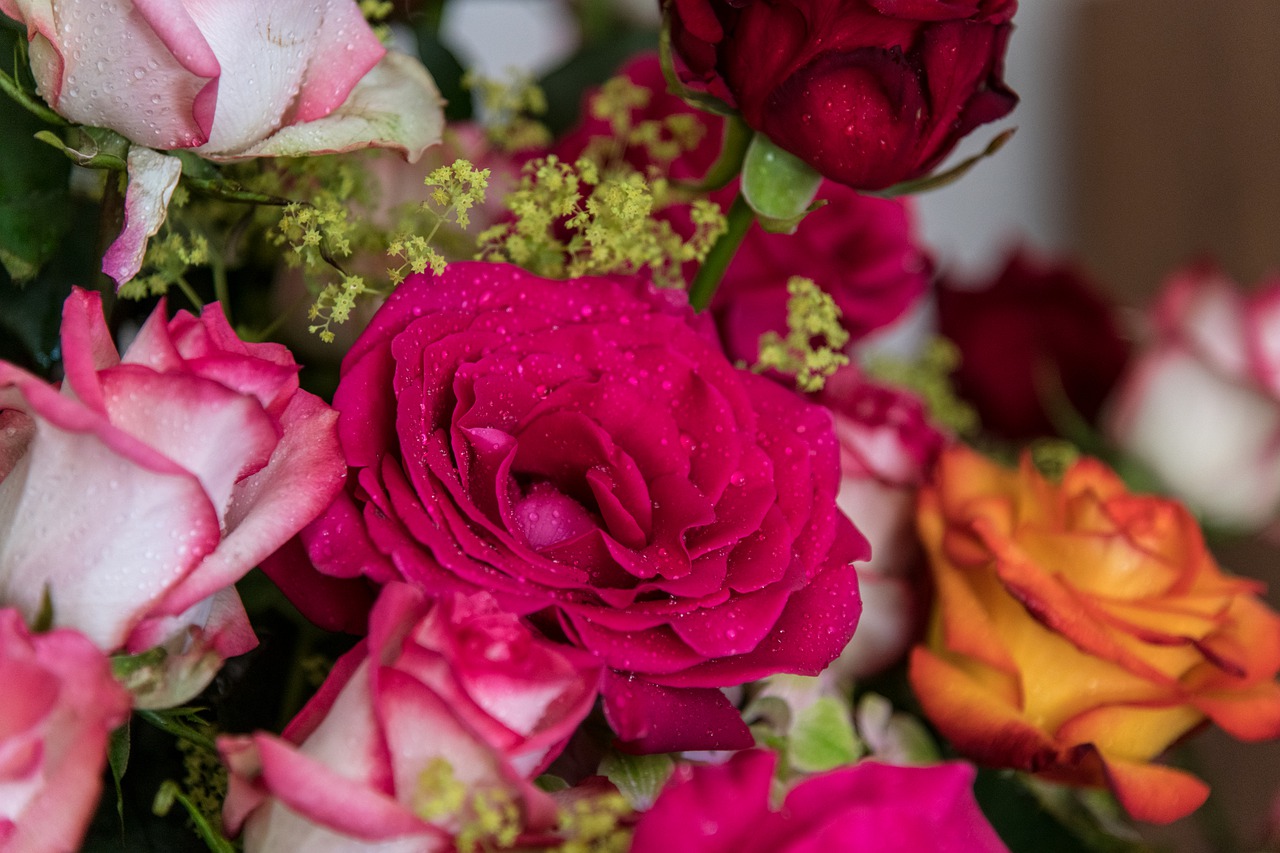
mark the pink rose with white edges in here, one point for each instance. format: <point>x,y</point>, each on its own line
<point>59,707</point>
<point>453,687</point>
<point>887,450</point>
<point>236,78</point>
<point>228,80</point>
<point>583,450</point>
<point>867,807</point>
<point>138,493</point>
<point>1200,405</point>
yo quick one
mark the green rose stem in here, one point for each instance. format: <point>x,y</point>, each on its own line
<point>713,268</point>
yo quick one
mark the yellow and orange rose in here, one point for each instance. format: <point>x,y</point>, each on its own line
<point>1079,630</point>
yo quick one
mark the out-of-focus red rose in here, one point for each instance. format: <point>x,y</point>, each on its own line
<point>446,708</point>
<point>1201,404</point>
<point>1036,324</point>
<point>60,704</point>
<point>868,807</point>
<point>135,496</point>
<point>887,452</point>
<point>868,92</point>
<point>860,250</point>
<point>584,452</point>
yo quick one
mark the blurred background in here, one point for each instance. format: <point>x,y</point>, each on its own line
<point>1148,136</point>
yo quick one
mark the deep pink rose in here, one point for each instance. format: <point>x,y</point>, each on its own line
<point>867,807</point>
<point>1200,405</point>
<point>868,92</point>
<point>455,689</point>
<point>582,451</point>
<point>136,495</point>
<point>887,450</point>
<point>860,250</point>
<point>1035,325</point>
<point>59,705</point>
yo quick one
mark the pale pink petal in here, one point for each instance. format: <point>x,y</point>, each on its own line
<point>119,73</point>
<point>86,347</point>
<point>209,430</point>
<point>152,179</point>
<point>396,105</point>
<point>284,61</point>
<point>102,522</point>
<point>268,508</point>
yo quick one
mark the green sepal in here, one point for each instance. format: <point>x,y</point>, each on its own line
<point>639,778</point>
<point>44,616</point>
<point>779,186</point>
<point>950,176</point>
<point>822,737</point>
<point>90,147</point>
<point>118,759</point>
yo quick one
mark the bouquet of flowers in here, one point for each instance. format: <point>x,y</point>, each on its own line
<point>587,463</point>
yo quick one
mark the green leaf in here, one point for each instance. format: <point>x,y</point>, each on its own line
<point>639,778</point>
<point>822,737</point>
<point>778,185</point>
<point>950,176</point>
<point>35,207</point>
<point>170,793</point>
<point>118,758</point>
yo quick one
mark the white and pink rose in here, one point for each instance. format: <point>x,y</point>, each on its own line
<point>135,495</point>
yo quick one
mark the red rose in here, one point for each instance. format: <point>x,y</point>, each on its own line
<point>581,451</point>
<point>861,250</point>
<point>1036,322</point>
<point>868,92</point>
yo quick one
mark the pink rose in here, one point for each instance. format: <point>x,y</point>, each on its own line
<point>447,690</point>
<point>582,451</point>
<point>60,704</point>
<point>136,495</point>
<point>235,78</point>
<point>861,250</point>
<point>866,807</point>
<point>887,451</point>
<point>1200,405</point>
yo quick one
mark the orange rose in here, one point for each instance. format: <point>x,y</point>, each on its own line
<point>1079,630</point>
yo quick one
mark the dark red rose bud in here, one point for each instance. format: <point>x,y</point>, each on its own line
<point>868,92</point>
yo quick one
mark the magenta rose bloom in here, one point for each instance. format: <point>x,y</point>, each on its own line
<point>868,807</point>
<point>581,451</point>
<point>455,690</point>
<point>60,704</point>
<point>868,92</point>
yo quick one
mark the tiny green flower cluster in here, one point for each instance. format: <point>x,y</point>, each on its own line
<point>483,820</point>
<point>455,189</point>
<point>813,348</point>
<point>929,378</point>
<point>509,109</point>
<point>572,220</point>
